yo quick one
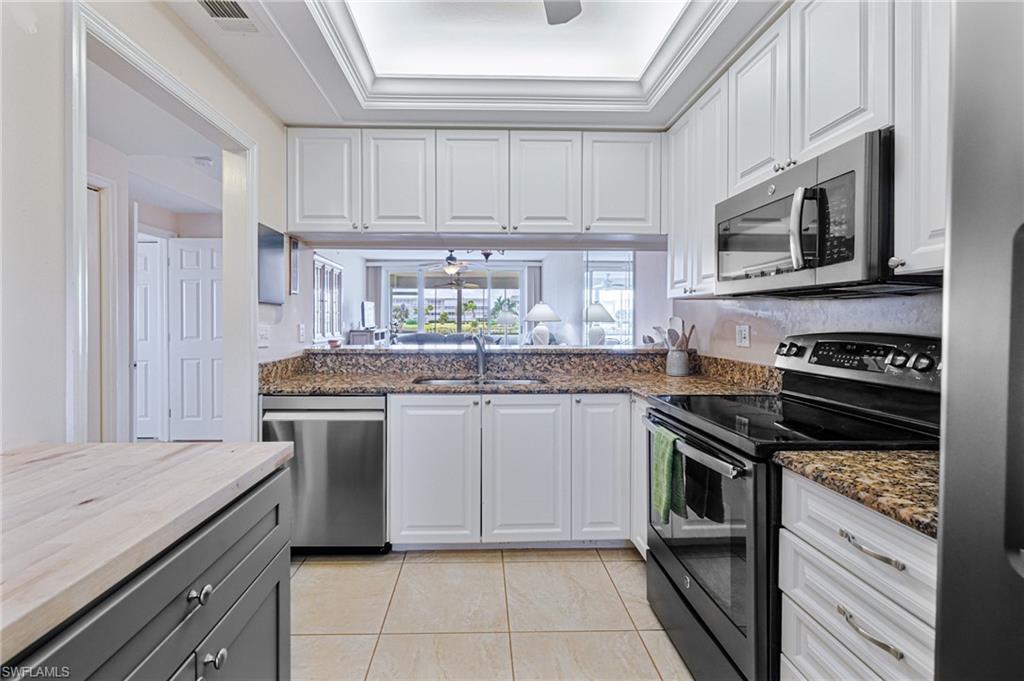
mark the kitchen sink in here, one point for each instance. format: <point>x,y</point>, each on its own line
<point>478,381</point>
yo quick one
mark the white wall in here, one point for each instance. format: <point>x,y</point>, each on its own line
<point>353,286</point>
<point>772,319</point>
<point>651,304</point>
<point>284,319</point>
<point>562,279</point>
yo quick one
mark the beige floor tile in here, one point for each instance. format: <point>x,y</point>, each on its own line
<point>392,557</point>
<point>563,597</point>
<point>454,556</point>
<point>331,658</point>
<point>581,656</point>
<point>331,598</point>
<point>550,555</point>
<point>423,657</point>
<point>670,665</point>
<point>448,598</point>
<point>610,555</point>
<point>630,579</point>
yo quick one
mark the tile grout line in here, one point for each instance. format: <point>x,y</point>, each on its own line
<point>380,632</point>
<point>508,616</point>
<point>630,615</point>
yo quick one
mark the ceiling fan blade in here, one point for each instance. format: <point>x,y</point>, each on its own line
<point>562,11</point>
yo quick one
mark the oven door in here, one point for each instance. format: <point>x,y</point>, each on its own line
<point>711,555</point>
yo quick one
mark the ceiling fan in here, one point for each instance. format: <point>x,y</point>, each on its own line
<point>562,11</point>
<point>456,281</point>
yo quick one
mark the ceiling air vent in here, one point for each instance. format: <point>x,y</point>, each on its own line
<point>230,16</point>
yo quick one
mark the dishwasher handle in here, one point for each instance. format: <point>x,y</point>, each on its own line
<point>270,416</point>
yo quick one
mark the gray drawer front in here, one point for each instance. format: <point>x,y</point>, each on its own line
<point>148,627</point>
<point>187,671</point>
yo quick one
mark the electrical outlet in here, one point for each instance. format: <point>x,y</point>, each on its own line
<point>263,335</point>
<point>302,332</point>
<point>743,335</point>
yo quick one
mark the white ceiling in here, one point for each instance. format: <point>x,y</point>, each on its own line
<point>608,40</point>
<point>434,63</point>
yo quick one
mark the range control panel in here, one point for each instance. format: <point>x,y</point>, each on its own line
<point>904,361</point>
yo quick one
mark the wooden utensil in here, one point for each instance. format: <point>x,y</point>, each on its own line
<point>673,338</point>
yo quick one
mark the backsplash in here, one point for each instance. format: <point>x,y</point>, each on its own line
<point>772,319</point>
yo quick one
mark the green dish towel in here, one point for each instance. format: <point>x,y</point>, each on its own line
<point>668,491</point>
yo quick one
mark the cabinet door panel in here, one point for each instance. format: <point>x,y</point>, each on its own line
<point>680,185</point>
<point>546,181</point>
<point>434,460</point>
<point>622,182</point>
<point>398,180</point>
<point>759,108</point>
<point>472,181</point>
<point>526,467</point>
<point>710,148</point>
<point>600,467</point>
<point>841,72</point>
<point>323,179</point>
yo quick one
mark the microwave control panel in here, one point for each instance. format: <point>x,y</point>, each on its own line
<point>836,199</point>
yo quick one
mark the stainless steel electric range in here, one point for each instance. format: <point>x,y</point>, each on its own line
<point>711,576</point>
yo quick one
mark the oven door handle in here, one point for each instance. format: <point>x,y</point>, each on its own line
<point>720,466</point>
<point>796,218</point>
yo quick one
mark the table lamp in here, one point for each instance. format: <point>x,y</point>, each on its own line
<point>594,314</point>
<point>541,312</point>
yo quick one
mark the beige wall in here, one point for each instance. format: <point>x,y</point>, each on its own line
<point>32,263</point>
<point>651,306</point>
<point>771,319</point>
<point>284,319</point>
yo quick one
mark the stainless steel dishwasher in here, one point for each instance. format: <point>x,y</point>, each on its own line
<point>339,469</point>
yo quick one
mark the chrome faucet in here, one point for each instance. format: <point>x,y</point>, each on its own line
<point>481,356</point>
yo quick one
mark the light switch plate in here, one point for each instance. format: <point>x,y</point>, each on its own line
<point>263,335</point>
<point>302,332</point>
<point>743,335</point>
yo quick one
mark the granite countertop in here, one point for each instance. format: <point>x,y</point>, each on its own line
<point>78,519</point>
<point>641,384</point>
<point>901,484</point>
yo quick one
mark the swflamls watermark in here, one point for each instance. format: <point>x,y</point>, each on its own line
<point>40,672</point>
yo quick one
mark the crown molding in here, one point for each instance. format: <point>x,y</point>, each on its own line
<point>691,30</point>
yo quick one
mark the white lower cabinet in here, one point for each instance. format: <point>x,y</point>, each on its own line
<point>526,467</point>
<point>638,475</point>
<point>600,467</point>
<point>434,468</point>
<point>810,652</point>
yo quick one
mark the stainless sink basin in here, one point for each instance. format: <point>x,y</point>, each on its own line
<point>475,381</point>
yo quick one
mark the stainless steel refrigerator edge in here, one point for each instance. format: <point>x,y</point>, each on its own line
<point>980,625</point>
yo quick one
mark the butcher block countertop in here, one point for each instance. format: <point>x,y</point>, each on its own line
<point>79,519</point>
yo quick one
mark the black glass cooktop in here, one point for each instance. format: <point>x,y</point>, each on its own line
<point>765,423</point>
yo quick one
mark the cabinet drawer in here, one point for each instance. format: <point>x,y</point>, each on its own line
<point>891,641</point>
<point>859,539</point>
<point>187,671</point>
<point>145,629</point>
<point>810,652</point>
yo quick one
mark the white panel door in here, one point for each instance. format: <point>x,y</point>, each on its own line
<point>546,180</point>
<point>472,181</point>
<point>680,186</point>
<point>638,475</point>
<point>710,182</point>
<point>527,447</point>
<point>399,180</point>
<point>922,107</point>
<point>759,108</point>
<point>600,467</point>
<point>196,347</point>
<point>150,340</point>
<point>622,182</point>
<point>841,74</point>
<point>323,179</point>
<point>434,464</point>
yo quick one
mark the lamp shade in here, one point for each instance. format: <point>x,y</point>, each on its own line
<point>542,312</point>
<point>596,312</point>
<point>507,318</point>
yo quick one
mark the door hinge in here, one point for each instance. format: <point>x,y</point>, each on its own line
<point>168,413</point>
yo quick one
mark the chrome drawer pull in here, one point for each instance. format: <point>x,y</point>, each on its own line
<point>202,596</point>
<point>848,616</point>
<point>898,564</point>
<point>218,661</point>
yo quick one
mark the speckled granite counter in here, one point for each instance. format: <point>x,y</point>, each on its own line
<point>901,484</point>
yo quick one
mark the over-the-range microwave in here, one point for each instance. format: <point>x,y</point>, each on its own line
<point>823,227</point>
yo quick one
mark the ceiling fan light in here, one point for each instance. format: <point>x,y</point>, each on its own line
<point>562,11</point>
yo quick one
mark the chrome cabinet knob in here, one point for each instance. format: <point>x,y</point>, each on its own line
<point>587,228</point>
<point>476,402</point>
<point>789,162</point>
<point>366,226</point>
<point>776,166</point>
<point>201,596</point>
<point>487,401</point>
<point>515,228</point>
<point>504,227</point>
<point>895,263</point>
<point>579,400</point>
<point>355,226</point>
<point>217,660</point>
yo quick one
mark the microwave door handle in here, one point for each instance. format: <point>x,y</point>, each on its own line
<point>796,218</point>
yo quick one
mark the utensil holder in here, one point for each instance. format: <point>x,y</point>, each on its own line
<point>677,363</point>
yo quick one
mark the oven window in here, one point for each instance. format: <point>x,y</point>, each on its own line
<point>711,541</point>
<point>756,244</point>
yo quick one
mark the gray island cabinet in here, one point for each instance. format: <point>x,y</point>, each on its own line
<point>214,605</point>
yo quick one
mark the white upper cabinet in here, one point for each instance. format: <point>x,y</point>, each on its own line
<point>841,72</point>
<point>546,181</point>
<point>710,149</point>
<point>922,108</point>
<point>472,180</point>
<point>622,182</point>
<point>759,108</point>
<point>323,179</point>
<point>398,180</point>
<point>679,183</point>
<point>526,467</point>
<point>600,467</point>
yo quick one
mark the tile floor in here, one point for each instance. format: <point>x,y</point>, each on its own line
<point>565,614</point>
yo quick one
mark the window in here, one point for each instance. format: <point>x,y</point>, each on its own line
<point>326,299</point>
<point>609,281</point>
